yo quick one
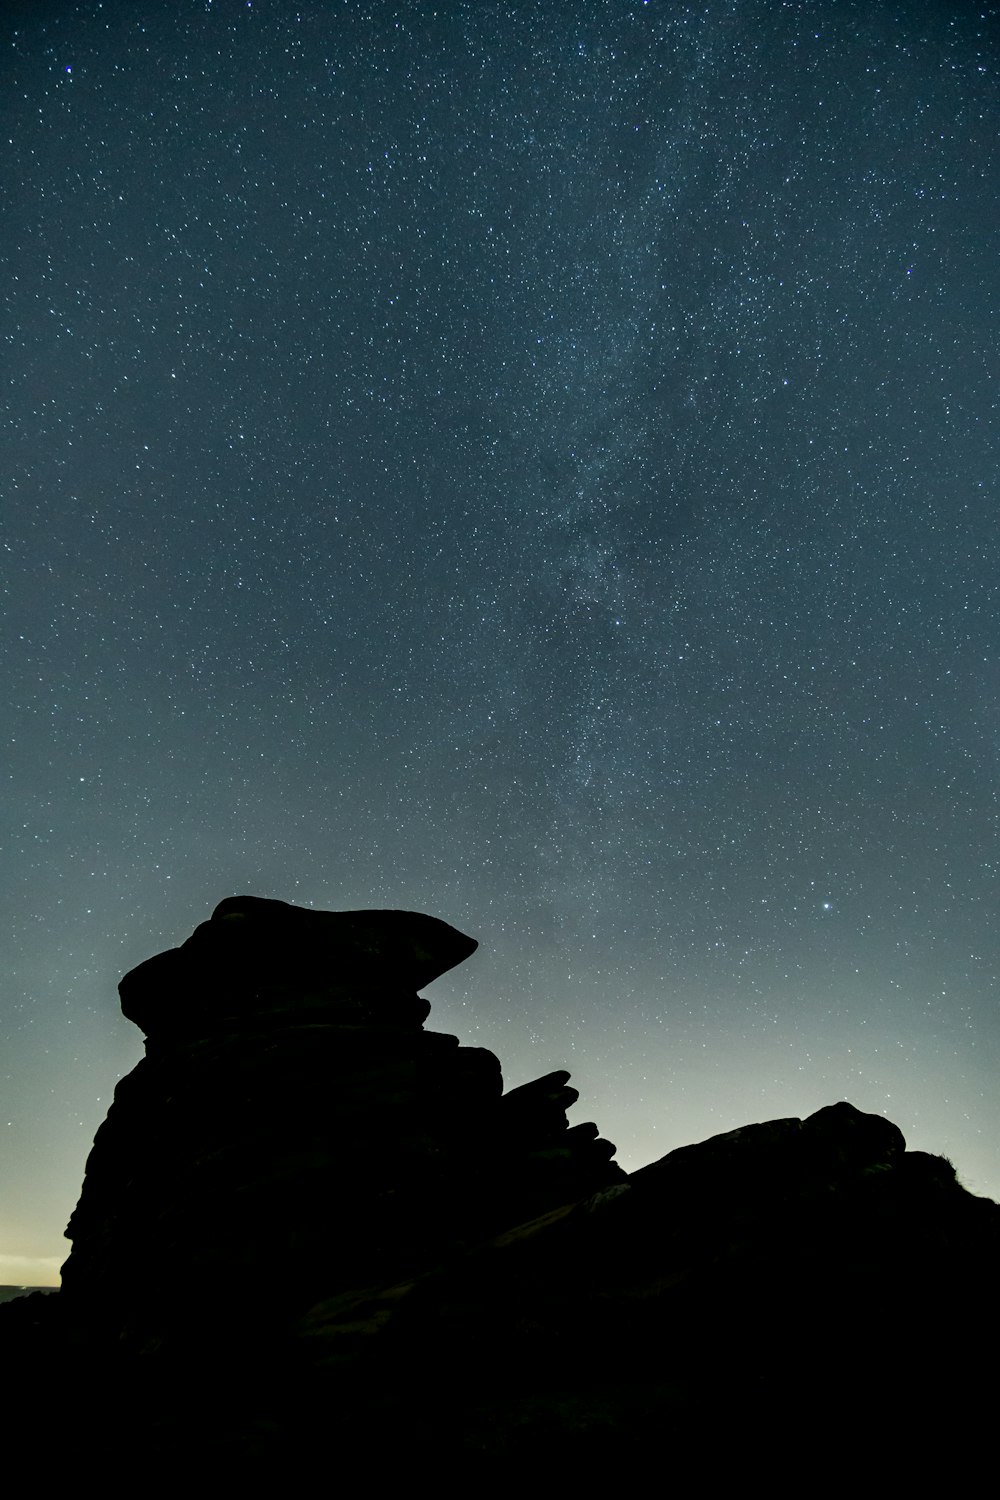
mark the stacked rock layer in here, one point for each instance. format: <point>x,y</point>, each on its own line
<point>293,1129</point>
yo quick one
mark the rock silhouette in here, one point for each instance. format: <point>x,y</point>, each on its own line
<point>312,1232</point>
<point>291,1111</point>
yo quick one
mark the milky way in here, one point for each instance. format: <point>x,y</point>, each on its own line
<point>532,463</point>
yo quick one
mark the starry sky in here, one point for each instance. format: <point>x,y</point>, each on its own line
<point>530,462</point>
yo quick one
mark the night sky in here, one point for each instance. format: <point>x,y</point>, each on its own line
<point>533,463</point>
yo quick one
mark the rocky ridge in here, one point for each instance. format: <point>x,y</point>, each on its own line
<point>308,1224</point>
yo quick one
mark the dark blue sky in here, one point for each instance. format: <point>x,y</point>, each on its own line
<point>532,463</point>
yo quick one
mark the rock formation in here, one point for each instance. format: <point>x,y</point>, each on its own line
<point>293,1123</point>
<point>314,1234</point>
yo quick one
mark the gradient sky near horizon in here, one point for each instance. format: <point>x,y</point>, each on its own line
<point>534,463</point>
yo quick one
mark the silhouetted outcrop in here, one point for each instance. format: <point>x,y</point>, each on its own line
<point>313,1233</point>
<point>292,1122</point>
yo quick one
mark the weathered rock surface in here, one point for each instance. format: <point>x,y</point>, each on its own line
<point>315,1237</point>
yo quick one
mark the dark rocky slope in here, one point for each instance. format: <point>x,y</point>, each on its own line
<point>312,1233</point>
